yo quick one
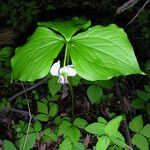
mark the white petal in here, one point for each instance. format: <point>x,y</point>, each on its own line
<point>70,70</point>
<point>62,80</point>
<point>55,68</point>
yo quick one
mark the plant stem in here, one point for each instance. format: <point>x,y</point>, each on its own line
<point>66,51</point>
<point>66,59</point>
<point>72,100</point>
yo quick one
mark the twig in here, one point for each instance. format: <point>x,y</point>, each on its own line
<point>24,113</point>
<point>30,119</point>
<point>126,6</point>
<point>27,89</point>
<point>140,10</point>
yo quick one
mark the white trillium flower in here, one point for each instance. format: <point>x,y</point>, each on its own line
<point>63,72</point>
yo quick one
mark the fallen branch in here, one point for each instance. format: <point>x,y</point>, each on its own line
<point>23,113</point>
<point>140,10</point>
<point>126,6</point>
<point>28,89</point>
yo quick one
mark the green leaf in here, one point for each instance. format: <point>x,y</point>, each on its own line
<point>143,95</point>
<point>136,124</point>
<point>78,146</point>
<point>67,28</point>
<point>106,83</point>
<point>66,144</point>
<point>101,53</point>
<point>42,117</point>
<point>147,88</point>
<point>95,94</point>
<point>113,125</point>
<point>57,120</point>
<point>53,110</point>
<point>37,126</point>
<point>54,137</point>
<point>103,143</point>
<point>64,127</point>
<point>42,108</point>
<point>138,103</point>
<point>33,60</point>
<point>9,145</point>
<point>54,86</point>
<point>73,134</point>
<point>5,53</point>
<point>140,142</point>
<point>47,131</point>
<point>75,80</point>
<point>96,128</point>
<point>148,108</point>
<point>146,131</point>
<point>80,123</point>
<point>118,139</point>
<point>31,139</point>
<point>102,120</point>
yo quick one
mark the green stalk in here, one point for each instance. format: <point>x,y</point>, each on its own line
<point>66,53</point>
<point>72,100</point>
<point>66,59</point>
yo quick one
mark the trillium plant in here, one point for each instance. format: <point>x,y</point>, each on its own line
<point>94,53</point>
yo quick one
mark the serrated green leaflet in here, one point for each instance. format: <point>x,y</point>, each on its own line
<point>113,125</point>
<point>67,28</point>
<point>103,52</point>
<point>136,124</point>
<point>140,142</point>
<point>33,60</point>
<point>95,128</point>
<point>9,145</point>
<point>103,143</point>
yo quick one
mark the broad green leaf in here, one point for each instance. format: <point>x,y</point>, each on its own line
<point>146,131</point>
<point>95,94</point>
<point>31,139</point>
<point>136,124</point>
<point>67,28</point>
<point>42,117</point>
<point>42,108</point>
<point>65,144</point>
<point>33,60</point>
<point>9,145</point>
<point>53,110</point>
<point>140,142</point>
<point>103,143</point>
<point>113,125</point>
<point>73,134</point>
<point>54,86</point>
<point>96,128</point>
<point>64,127</point>
<point>80,123</point>
<point>101,53</point>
